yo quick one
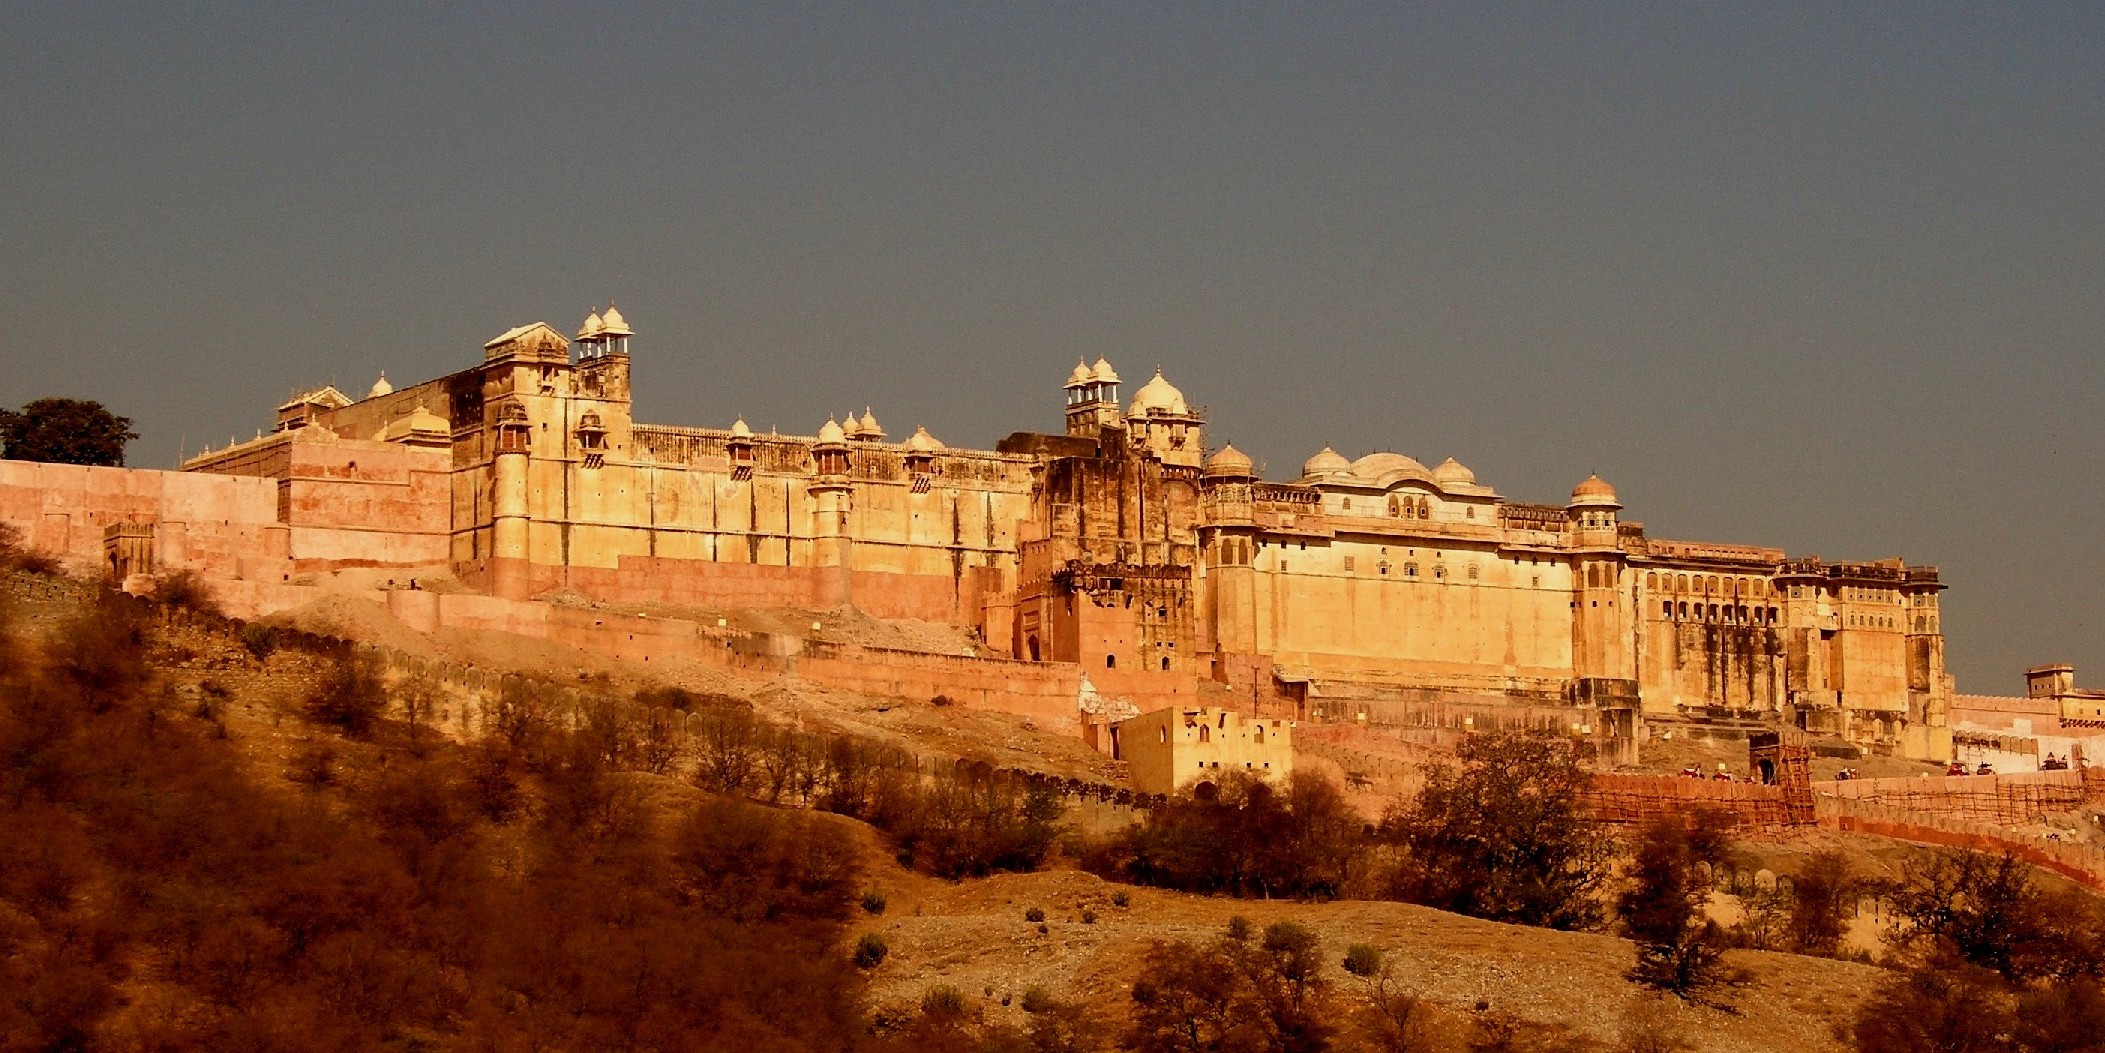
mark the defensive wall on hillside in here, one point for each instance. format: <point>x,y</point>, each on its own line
<point>1959,812</point>
<point>468,700</point>
<point>2083,864</point>
<point>1046,693</point>
<point>2008,799</point>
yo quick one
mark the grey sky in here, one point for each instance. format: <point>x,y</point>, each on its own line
<point>1828,277</point>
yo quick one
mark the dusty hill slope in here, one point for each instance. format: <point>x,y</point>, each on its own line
<point>973,935</point>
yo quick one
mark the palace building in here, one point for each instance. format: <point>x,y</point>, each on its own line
<point>1120,543</point>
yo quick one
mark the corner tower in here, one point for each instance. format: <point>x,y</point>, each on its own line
<point>1600,641</point>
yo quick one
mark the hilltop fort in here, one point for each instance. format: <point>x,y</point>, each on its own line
<point>1135,565</point>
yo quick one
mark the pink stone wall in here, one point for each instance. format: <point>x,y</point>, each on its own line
<point>223,526</point>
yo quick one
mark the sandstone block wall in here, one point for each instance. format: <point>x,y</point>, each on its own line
<point>221,526</point>
<point>2012,799</point>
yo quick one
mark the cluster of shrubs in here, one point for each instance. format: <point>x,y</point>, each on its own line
<point>17,555</point>
<point>1991,960</point>
<point>1501,835</point>
<point>961,821</point>
<point>157,895</point>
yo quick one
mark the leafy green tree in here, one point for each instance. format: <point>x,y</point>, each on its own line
<point>1503,836</point>
<point>65,431</point>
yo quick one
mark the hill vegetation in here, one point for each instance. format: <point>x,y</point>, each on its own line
<point>221,842</point>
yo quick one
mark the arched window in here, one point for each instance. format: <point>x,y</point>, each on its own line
<point>1472,572</point>
<point>1395,506</point>
<point>1346,504</point>
<point>1666,610</point>
<point>1205,733</point>
<point>1410,570</point>
<point>1258,735</point>
<point>1165,663</point>
<point>1651,581</point>
<point>1469,512</point>
<point>1110,661</point>
<point>1684,609</point>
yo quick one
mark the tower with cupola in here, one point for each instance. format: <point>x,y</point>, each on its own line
<point>1163,424</point>
<point>1092,399</point>
<point>1601,616</point>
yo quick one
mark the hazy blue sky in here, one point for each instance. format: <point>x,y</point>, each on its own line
<point>1825,276</point>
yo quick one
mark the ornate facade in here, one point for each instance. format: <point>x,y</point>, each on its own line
<point>1120,543</point>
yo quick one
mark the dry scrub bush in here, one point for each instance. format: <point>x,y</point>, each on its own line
<point>1233,993</point>
<point>261,641</point>
<point>1806,915</point>
<point>1992,911</point>
<point>1995,962</point>
<point>965,825</point>
<point>1948,1007</point>
<point>1679,950</point>
<point>350,696</point>
<point>17,554</point>
<point>752,864</point>
<point>184,589</point>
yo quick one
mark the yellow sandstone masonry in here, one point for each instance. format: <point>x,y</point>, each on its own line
<point>1120,545</point>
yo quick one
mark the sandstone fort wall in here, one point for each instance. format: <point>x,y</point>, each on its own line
<point>222,526</point>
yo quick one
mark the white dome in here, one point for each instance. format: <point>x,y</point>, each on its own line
<point>1386,467</point>
<point>1230,462</point>
<point>592,328</point>
<point>1080,376</point>
<point>831,432</point>
<point>739,429</point>
<point>1452,473</point>
<point>380,387</point>
<point>1102,372</point>
<point>1327,462</point>
<point>614,324</point>
<point>922,442</point>
<point>1159,396</point>
<point>867,427</point>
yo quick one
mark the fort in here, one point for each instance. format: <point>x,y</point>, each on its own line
<point>1133,563</point>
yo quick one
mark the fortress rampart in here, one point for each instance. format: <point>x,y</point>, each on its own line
<point>1121,547</point>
